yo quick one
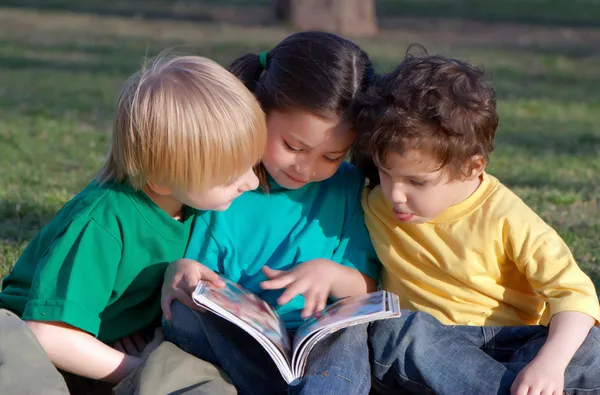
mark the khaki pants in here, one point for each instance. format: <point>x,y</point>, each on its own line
<point>26,370</point>
<point>24,366</point>
<point>169,370</point>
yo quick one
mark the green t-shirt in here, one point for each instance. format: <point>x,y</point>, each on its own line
<point>99,264</point>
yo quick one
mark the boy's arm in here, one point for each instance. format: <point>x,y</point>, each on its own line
<point>567,332</point>
<point>78,352</point>
<point>571,300</point>
<point>545,374</point>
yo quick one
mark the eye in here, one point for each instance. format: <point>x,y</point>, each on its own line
<point>333,160</point>
<point>290,148</point>
<point>417,183</point>
<point>231,182</point>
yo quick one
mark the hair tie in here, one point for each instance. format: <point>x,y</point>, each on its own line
<point>263,59</point>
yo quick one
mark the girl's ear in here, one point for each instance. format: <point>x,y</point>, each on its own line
<point>475,166</point>
<point>159,189</point>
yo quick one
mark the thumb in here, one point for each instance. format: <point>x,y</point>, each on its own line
<point>212,277</point>
<point>159,335</point>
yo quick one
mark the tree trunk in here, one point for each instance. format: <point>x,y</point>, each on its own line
<point>282,9</point>
<point>345,17</point>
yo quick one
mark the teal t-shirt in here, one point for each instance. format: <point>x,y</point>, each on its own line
<point>284,228</point>
<point>99,264</point>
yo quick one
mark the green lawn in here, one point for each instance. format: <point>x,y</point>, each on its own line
<point>60,72</point>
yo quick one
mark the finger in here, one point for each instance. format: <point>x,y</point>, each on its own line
<point>518,388</point>
<point>129,347</point>
<point>211,277</point>
<point>310,303</point>
<point>159,334</point>
<point>184,298</point>
<point>291,292</point>
<point>165,305</point>
<point>321,304</point>
<point>138,341</point>
<point>118,346</point>
<point>272,273</point>
<point>187,300</point>
<point>188,282</point>
<point>278,283</point>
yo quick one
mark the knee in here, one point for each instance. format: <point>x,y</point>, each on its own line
<point>412,324</point>
<point>412,331</point>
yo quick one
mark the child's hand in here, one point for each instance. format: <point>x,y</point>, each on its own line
<point>181,278</point>
<point>138,345</point>
<point>313,279</point>
<point>541,376</point>
<point>131,345</point>
<point>158,338</point>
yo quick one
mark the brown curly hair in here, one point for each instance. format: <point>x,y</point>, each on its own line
<point>431,103</point>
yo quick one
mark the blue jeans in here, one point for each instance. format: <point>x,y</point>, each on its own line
<point>339,364</point>
<point>417,354</point>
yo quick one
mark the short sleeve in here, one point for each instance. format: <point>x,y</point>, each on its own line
<point>548,264</point>
<point>75,278</point>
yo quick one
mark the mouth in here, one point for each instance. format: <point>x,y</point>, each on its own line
<point>403,217</point>
<point>296,180</point>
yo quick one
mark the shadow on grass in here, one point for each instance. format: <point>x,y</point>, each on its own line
<point>259,12</point>
<point>547,138</point>
<point>241,12</point>
<point>578,13</point>
<point>85,79</point>
<point>124,58</point>
<point>512,84</point>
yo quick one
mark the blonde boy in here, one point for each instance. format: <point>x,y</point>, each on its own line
<point>457,244</point>
<point>185,137</point>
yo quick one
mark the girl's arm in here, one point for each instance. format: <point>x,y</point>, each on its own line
<point>317,279</point>
<point>350,282</point>
<point>78,352</point>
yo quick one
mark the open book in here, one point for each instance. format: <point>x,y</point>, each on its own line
<point>261,321</point>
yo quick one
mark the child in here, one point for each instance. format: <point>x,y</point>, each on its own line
<point>457,244</point>
<point>185,137</point>
<point>299,241</point>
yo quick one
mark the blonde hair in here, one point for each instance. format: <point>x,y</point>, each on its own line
<point>184,122</point>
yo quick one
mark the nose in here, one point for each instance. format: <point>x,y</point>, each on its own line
<point>305,166</point>
<point>249,181</point>
<point>398,194</point>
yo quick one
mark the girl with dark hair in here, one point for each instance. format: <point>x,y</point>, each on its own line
<point>299,241</point>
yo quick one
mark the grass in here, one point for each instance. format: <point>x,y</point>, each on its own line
<point>60,72</point>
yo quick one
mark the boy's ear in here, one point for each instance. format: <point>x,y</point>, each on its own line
<point>159,189</point>
<point>475,167</point>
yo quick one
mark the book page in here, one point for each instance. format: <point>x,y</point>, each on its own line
<point>353,310</point>
<point>342,311</point>
<point>250,309</point>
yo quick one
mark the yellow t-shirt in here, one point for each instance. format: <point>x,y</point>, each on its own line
<point>489,260</point>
